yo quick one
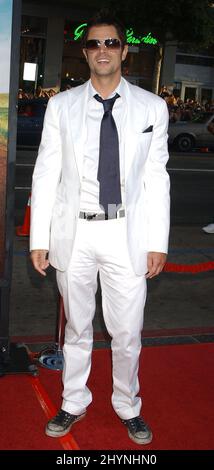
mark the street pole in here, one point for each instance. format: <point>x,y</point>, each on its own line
<point>13,357</point>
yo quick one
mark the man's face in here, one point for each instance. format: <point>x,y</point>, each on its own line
<point>103,61</point>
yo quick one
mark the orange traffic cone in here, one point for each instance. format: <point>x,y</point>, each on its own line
<point>24,230</point>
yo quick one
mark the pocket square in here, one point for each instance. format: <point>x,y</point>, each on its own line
<point>149,129</point>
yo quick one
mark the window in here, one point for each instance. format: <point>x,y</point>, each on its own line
<point>194,60</point>
<point>206,95</point>
<point>190,93</point>
<point>32,47</point>
<point>34,26</point>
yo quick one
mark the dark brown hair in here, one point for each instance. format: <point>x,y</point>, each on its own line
<point>105,17</point>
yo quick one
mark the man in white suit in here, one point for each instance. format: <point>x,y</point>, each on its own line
<point>72,229</point>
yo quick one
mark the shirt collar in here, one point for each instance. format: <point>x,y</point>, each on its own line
<point>119,90</point>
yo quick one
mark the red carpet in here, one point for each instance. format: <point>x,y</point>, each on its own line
<point>22,418</point>
<point>177,384</point>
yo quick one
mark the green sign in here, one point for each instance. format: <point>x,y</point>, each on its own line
<point>78,32</point>
<point>131,39</point>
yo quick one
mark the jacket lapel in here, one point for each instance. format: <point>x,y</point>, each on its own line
<point>77,106</point>
<point>136,117</point>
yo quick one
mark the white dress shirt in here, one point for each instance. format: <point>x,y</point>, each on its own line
<point>90,185</point>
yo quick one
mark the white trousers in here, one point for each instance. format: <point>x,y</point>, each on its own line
<point>102,245</point>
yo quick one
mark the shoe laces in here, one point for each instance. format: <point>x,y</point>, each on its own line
<point>136,424</point>
<point>62,416</point>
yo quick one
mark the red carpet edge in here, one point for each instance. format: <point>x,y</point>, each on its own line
<point>67,442</point>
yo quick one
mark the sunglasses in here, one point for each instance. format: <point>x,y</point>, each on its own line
<point>111,43</point>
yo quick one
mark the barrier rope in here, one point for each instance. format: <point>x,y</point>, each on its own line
<point>189,268</point>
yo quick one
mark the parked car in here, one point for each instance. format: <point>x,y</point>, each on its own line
<point>188,135</point>
<point>30,121</point>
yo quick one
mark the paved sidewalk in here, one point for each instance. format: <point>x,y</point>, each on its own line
<point>175,301</point>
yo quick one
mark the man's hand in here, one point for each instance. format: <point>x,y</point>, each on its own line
<point>155,263</point>
<point>39,260</point>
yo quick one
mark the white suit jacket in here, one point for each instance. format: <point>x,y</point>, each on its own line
<point>57,176</point>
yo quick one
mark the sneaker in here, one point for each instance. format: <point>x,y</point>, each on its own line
<point>138,430</point>
<point>61,423</point>
<point>208,228</point>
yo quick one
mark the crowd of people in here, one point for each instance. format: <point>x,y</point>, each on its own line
<point>39,93</point>
<point>48,92</point>
<point>180,110</point>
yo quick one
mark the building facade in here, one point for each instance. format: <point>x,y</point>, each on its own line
<point>51,39</point>
<point>189,75</point>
